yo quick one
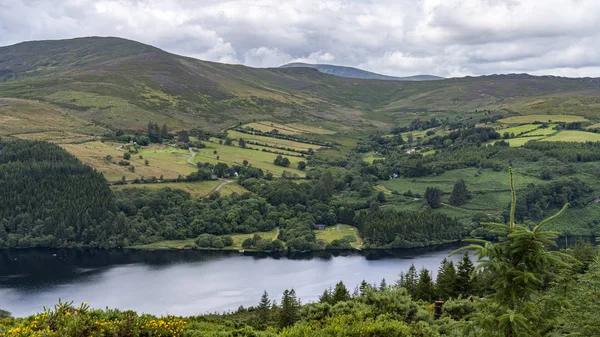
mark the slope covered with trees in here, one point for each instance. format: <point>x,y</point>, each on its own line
<point>49,198</point>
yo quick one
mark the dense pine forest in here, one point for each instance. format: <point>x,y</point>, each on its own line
<point>49,198</point>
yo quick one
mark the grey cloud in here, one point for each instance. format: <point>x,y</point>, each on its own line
<point>395,37</point>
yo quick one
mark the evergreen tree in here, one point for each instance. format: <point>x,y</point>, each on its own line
<point>382,285</point>
<point>183,136</point>
<point>164,132</point>
<point>433,197</point>
<point>410,280</point>
<point>364,287</point>
<point>340,293</point>
<point>459,195</point>
<point>242,142</point>
<point>289,308</point>
<point>326,296</point>
<point>263,308</point>
<point>446,282</point>
<point>425,289</point>
<point>463,275</point>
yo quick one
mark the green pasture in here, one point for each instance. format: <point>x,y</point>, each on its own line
<point>339,232</point>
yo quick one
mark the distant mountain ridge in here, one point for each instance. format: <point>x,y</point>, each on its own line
<point>350,72</point>
<point>123,84</point>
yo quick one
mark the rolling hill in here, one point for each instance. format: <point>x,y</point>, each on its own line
<point>116,83</point>
<point>351,72</point>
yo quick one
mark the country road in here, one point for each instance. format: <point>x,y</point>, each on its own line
<point>193,154</point>
<point>217,188</point>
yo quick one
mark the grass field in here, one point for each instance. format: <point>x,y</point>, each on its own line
<point>235,155</point>
<point>188,243</point>
<point>288,129</point>
<point>282,143</point>
<point>484,180</point>
<point>319,130</point>
<point>543,132</point>
<point>541,118</point>
<point>372,157</point>
<point>168,162</point>
<point>516,142</point>
<point>332,233</point>
<point>574,136</point>
<point>196,189</point>
<point>382,188</point>
<point>593,126</point>
<point>517,130</point>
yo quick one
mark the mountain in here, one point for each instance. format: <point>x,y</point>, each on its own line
<point>118,83</point>
<point>350,72</point>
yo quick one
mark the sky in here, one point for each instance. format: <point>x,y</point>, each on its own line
<point>394,37</point>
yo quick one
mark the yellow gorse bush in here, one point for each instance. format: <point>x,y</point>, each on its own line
<point>65,320</point>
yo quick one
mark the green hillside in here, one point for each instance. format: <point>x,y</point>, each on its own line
<point>118,83</point>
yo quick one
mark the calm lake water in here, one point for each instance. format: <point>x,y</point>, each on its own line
<point>188,282</point>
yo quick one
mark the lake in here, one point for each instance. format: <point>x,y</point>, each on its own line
<point>189,282</point>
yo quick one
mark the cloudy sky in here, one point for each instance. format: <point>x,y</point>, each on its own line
<point>395,37</point>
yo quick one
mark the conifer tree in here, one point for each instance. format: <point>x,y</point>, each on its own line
<point>262,310</point>
<point>425,289</point>
<point>289,308</point>
<point>459,195</point>
<point>340,293</point>
<point>446,282</point>
<point>164,132</point>
<point>463,275</point>
<point>433,197</point>
<point>382,285</point>
<point>410,280</point>
<point>326,296</point>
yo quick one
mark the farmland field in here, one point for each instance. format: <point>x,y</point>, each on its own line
<point>543,131</point>
<point>282,143</point>
<point>332,233</point>
<point>574,136</point>
<point>234,155</point>
<point>519,141</point>
<point>517,130</point>
<point>168,162</point>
